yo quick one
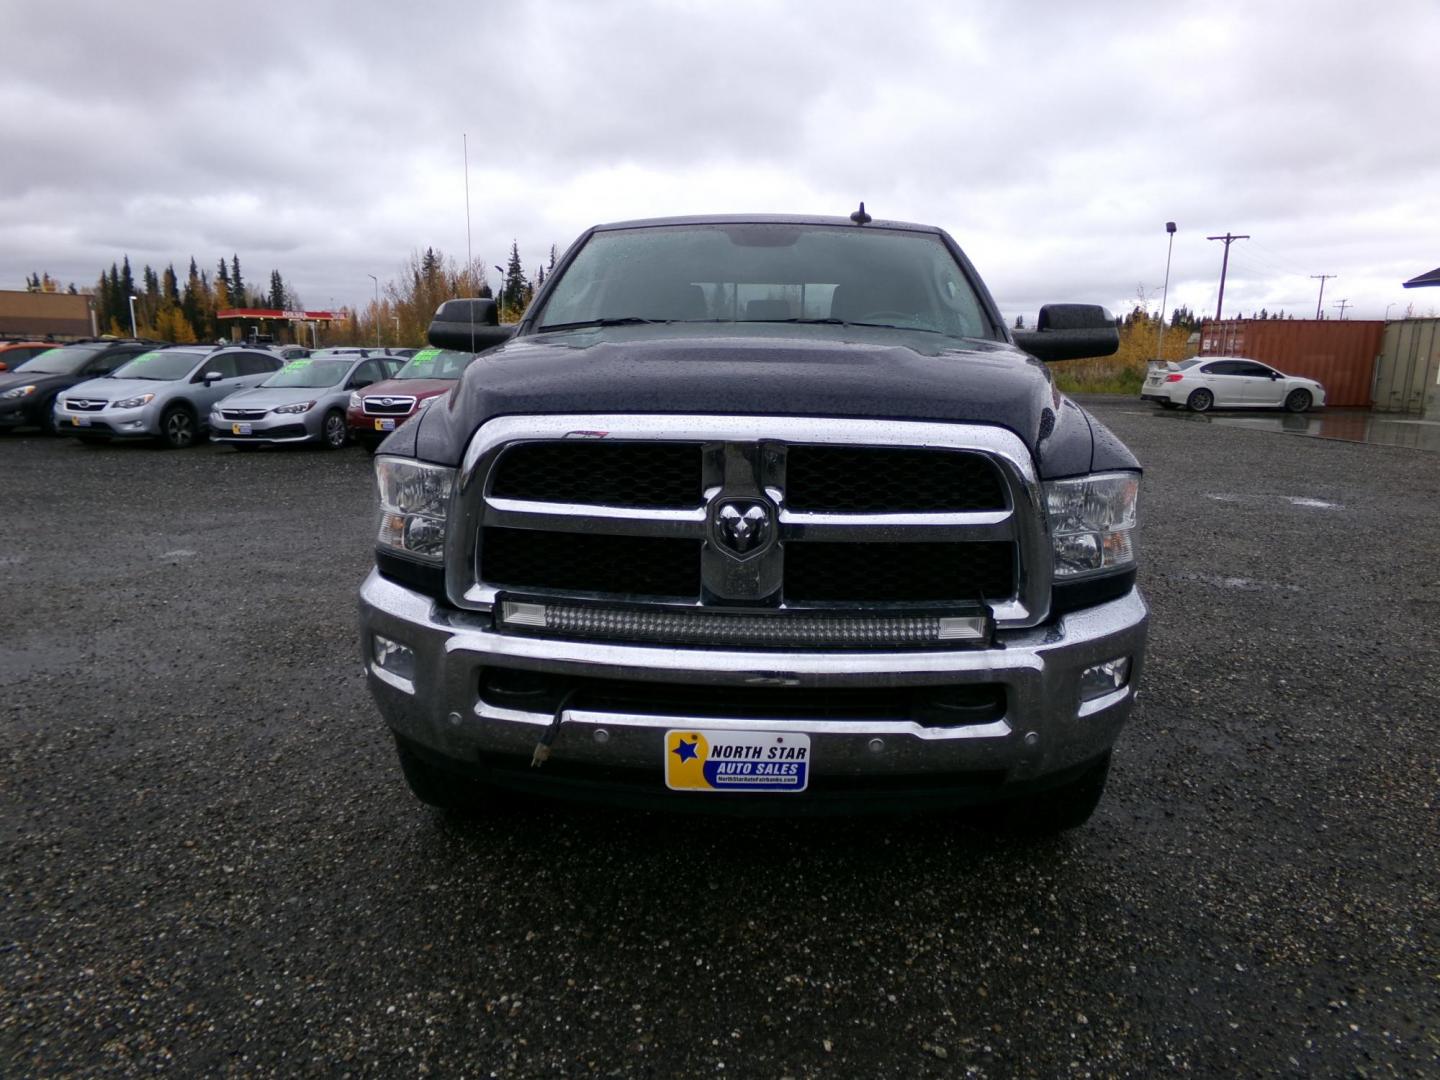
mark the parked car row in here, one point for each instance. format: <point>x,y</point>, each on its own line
<point>111,390</point>
<point>1229,382</point>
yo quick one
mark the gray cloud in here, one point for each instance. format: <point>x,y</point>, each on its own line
<point>1052,140</point>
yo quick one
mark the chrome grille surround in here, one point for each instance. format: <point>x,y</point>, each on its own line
<point>745,457</point>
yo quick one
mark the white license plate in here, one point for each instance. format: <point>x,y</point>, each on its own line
<point>766,761</point>
<point>79,421</point>
<point>384,425</point>
<point>240,429</point>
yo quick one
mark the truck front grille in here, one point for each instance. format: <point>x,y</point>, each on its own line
<point>592,563</point>
<point>888,573</point>
<point>879,480</point>
<point>860,516</point>
<point>594,471</point>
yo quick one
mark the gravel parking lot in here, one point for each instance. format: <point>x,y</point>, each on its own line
<point>211,864</point>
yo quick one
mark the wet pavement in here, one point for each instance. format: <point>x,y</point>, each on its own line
<point>1349,425</point>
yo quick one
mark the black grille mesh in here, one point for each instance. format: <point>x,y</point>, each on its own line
<point>590,562</point>
<point>614,474</point>
<point>824,572</point>
<point>883,480</point>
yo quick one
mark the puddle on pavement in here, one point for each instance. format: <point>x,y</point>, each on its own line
<point>1240,583</point>
<point>1294,500</point>
<point>1349,425</point>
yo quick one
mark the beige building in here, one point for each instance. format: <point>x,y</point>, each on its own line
<point>45,315</point>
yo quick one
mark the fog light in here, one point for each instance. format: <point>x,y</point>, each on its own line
<point>391,656</point>
<point>1104,678</point>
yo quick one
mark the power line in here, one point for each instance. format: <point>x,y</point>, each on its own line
<point>1295,266</point>
<point>1224,265</point>
<point>1321,300</point>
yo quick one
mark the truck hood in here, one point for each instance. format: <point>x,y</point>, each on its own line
<point>773,370</point>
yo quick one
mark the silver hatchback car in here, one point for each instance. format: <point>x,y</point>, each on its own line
<point>163,394</point>
<point>302,402</point>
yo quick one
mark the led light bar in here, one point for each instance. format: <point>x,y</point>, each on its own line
<point>689,626</point>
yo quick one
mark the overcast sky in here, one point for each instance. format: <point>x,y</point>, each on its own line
<point>1053,141</point>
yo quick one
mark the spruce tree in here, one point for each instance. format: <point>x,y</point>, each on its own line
<point>237,284</point>
<point>512,294</point>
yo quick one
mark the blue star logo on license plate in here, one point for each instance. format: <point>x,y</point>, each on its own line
<point>700,760</point>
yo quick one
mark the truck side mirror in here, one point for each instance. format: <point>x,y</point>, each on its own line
<point>1070,332</point>
<point>470,325</point>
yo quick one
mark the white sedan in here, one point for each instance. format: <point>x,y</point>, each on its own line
<point>1229,382</point>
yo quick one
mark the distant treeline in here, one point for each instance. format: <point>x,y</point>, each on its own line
<point>170,309</point>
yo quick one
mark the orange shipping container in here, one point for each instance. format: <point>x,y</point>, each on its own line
<point>1340,354</point>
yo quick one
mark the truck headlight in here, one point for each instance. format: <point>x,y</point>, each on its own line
<point>414,501</point>
<point>1091,520</point>
<point>133,402</point>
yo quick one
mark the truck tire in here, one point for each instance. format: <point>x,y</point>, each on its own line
<point>1061,808</point>
<point>439,787</point>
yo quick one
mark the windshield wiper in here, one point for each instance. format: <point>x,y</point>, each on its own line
<point>628,320</point>
<point>842,322</point>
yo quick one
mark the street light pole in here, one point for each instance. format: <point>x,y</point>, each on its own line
<point>1165,296</point>
<point>133,298</point>
<point>373,278</point>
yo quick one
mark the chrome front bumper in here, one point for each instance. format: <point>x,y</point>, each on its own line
<point>1046,728</point>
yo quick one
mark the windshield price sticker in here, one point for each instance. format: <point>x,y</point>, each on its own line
<point>425,356</point>
<point>736,760</point>
<point>297,365</point>
<point>145,358</point>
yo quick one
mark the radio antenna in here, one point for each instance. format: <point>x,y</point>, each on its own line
<point>469,254</point>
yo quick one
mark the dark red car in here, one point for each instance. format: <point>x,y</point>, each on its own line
<point>382,407</point>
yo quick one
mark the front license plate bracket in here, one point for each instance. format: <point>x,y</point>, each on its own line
<point>703,760</point>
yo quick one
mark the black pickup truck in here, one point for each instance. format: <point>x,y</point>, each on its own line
<point>760,514</point>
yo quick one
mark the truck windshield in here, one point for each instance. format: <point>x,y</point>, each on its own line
<point>768,273</point>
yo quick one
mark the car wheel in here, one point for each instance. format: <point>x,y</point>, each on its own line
<point>1200,401</point>
<point>1298,401</point>
<point>332,431</point>
<point>177,427</point>
<point>1061,808</point>
<point>439,787</point>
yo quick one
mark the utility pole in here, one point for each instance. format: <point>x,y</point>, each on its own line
<point>1321,300</point>
<point>1342,305</point>
<point>1224,265</point>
